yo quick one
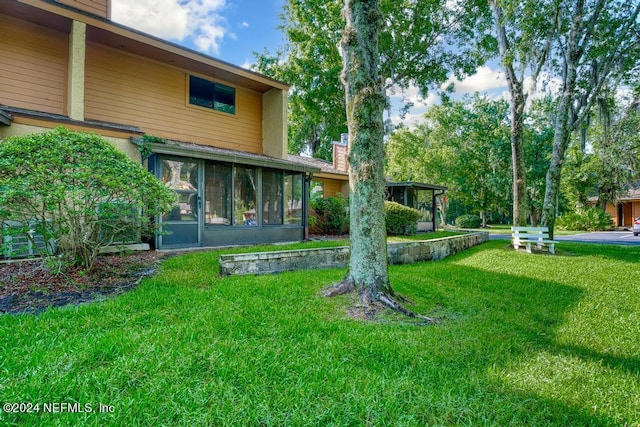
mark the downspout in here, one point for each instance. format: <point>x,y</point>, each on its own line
<point>434,208</point>
<point>305,200</point>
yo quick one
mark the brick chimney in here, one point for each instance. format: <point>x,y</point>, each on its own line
<point>101,8</point>
<point>340,153</point>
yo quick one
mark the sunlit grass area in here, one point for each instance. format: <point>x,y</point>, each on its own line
<point>523,339</point>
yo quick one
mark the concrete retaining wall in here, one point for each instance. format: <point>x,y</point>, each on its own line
<point>310,259</point>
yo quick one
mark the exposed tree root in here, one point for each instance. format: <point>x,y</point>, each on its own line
<point>371,306</point>
<point>340,288</point>
<point>390,302</point>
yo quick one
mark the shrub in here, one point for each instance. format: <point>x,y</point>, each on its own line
<point>79,189</point>
<point>468,221</point>
<point>329,216</point>
<point>400,219</point>
<point>590,219</point>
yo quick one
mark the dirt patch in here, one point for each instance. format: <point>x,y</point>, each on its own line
<point>29,287</point>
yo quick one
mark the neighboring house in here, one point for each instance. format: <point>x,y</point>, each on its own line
<point>213,132</point>
<point>626,209</point>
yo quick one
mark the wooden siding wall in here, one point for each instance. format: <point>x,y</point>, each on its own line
<point>33,66</point>
<point>331,187</point>
<point>95,7</point>
<point>127,89</point>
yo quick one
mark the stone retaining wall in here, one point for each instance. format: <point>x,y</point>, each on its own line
<point>338,257</point>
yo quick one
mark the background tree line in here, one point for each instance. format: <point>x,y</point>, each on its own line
<point>589,48</point>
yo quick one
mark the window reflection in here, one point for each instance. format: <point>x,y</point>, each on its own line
<point>271,197</point>
<point>182,177</point>
<point>293,191</point>
<point>244,196</point>
<point>217,194</point>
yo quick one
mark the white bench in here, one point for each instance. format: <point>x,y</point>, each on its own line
<point>526,236</point>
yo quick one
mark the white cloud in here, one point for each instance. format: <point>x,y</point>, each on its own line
<point>176,20</point>
<point>244,24</point>
<point>484,80</point>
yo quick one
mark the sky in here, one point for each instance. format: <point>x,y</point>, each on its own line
<point>231,30</point>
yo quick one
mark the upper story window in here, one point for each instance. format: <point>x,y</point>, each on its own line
<point>208,94</point>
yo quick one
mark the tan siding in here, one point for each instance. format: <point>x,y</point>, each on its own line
<point>127,89</point>
<point>96,7</point>
<point>613,211</point>
<point>331,187</point>
<point>33,66</point>
<point>628,214</point>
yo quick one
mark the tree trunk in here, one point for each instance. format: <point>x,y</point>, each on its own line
<point>365,101</point>
<point>520,203</point>
<point>563,125</point>
<point>518,103</point>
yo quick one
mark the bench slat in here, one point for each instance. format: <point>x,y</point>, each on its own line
<point>526,236</point>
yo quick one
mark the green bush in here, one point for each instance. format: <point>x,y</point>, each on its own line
<point>591,219</point>
<point>468,221</point>
<point>78,189</point>
<point>329,216</point>
<point>400,219</point>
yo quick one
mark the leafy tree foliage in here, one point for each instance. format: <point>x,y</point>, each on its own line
<point>79,189</point>
<point>608,163</point>
<point>524,31</point>
<point>420,44</point>
<point>463,145</point>
<point>598,44</point>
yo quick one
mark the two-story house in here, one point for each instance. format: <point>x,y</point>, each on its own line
<point>213,132</point>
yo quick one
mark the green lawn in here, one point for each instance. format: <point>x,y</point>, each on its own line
<point>525,339</point>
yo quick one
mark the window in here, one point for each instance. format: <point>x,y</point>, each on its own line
<point>293,198</point>
<point>244,196</point>
<point>205,93</point>
<point>217,194</point>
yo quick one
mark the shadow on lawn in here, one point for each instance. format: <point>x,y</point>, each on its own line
<point>520,315</point>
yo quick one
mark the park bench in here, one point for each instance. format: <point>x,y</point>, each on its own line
<point>527,236</point>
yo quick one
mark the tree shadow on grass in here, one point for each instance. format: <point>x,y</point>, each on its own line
<point>519,316</point>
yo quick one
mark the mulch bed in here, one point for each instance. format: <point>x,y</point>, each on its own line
<point>29,287</point>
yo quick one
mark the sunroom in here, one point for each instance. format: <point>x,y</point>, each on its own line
<point>227,197</point>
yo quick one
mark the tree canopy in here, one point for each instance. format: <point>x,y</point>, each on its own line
<point>421,44</point>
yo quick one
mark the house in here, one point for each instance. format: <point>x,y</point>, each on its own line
<point>625,210</point>
<point>213,132</point>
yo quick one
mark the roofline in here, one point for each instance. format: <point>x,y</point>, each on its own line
<point>108,25</point>
<point>417,185</point>
<point>229,156</point>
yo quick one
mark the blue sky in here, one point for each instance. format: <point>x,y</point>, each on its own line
<point>230,30</point>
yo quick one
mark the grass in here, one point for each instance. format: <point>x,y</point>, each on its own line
<point>525,339</point>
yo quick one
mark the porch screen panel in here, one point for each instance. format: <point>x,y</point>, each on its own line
<point>424,204</point>
<point>182,177</point>
<point>217,194</point>
<point>293,191</point>
<point>245,196</point>
<point>272,199</point>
